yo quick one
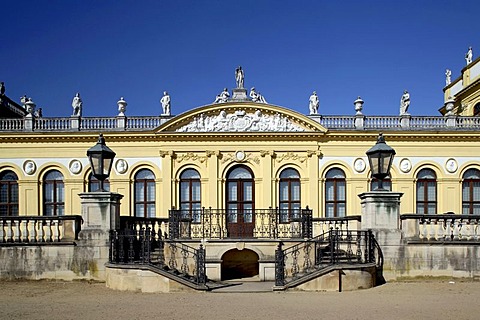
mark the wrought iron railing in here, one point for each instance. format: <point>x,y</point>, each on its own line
<point>272,223</point>
<point>147,247</point>
<point>441,227</point>
<point>35,229</point>
<point>331,248</point>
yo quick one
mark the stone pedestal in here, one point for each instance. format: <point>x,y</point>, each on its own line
<point>75,122</point>
<point>121,122</point>
<point>100,210</point>
<point>100,213</point>
<point>451,120</point>
<point>28,122</point>
<point>239,94</point>
<point>359,120</point>
<point>380,210</point>
<point>405,120</point>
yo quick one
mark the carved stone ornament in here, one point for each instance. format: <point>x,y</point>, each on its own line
<point>190,156</point>
<point>290,156</point>
<point>240,155</point>
<point>75,166</point>
<point>240,121</point>
<point>29,167</point>
<point>405,165</point>
<point>121,166</point>
<point>451,165</point>
<point>359,165</point>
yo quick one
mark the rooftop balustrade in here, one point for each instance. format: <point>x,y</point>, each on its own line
<point>139,123</point>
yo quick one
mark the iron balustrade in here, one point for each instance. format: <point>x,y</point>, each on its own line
<point>441,227</point>
<point>147,247</point>
<point>335,247</point>
<point>272,223</point>
<point>36,229</point>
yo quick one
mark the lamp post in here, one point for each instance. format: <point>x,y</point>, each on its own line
<point>101,160</point>
<point>380,157</point>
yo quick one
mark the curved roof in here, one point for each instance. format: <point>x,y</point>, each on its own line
<point>241,117</point>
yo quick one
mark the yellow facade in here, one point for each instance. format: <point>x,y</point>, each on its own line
<point>311,152</point>
<point>263,138</point>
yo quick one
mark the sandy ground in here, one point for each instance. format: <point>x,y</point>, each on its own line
<point>84,300</point>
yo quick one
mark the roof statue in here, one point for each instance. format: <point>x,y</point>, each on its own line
<point>30,106</point>
<point>2,88</point>
<point>122,107</point>
<point>314,103</point>
<point>469,55</point>
<point>256,96</point>
<point>23,100</point>
<point>165,101</point>
<point>239,77</point>
<point>38,113</point>
<point>404,103</point>
<point>222,97</point>
<point>77,104</point>
<point>448,77</point>
<point>358,103</point>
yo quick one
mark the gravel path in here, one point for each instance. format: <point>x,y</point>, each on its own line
<point>84,300</point>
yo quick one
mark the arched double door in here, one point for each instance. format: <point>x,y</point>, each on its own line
<point>240,202</point>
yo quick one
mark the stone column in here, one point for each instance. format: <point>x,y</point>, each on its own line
<point>100,213</point>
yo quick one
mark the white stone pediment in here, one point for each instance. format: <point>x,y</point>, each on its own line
<point>240,121</point>
<point>241,117</point>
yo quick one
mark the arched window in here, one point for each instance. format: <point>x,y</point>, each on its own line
<point>476,110</point>
<point>190,199</point>
<point>8,194</point>
<point>94,184</point>
<point>426,192</point>
<point>471,192</point>
<point>53,194</point>
<point>335,193</point>
<point>144,194</point>
<point>289,190</point>
<point>387,184</point>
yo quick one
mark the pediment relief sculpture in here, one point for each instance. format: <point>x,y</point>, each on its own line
<point>240,121</point>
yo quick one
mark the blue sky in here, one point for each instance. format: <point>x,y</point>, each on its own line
<point>52,49</point>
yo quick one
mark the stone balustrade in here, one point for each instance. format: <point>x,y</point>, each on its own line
<point>35,229</point>
<point>322,225</point>
<point>440,227</point>
<point>137,123</point>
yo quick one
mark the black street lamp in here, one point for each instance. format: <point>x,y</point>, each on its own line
<point>101,160</point>
<point>380,157</point>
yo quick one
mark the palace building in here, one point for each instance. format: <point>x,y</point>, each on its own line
<point>241,175</point>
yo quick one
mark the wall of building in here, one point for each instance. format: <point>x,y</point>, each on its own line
<point>449,156</point>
